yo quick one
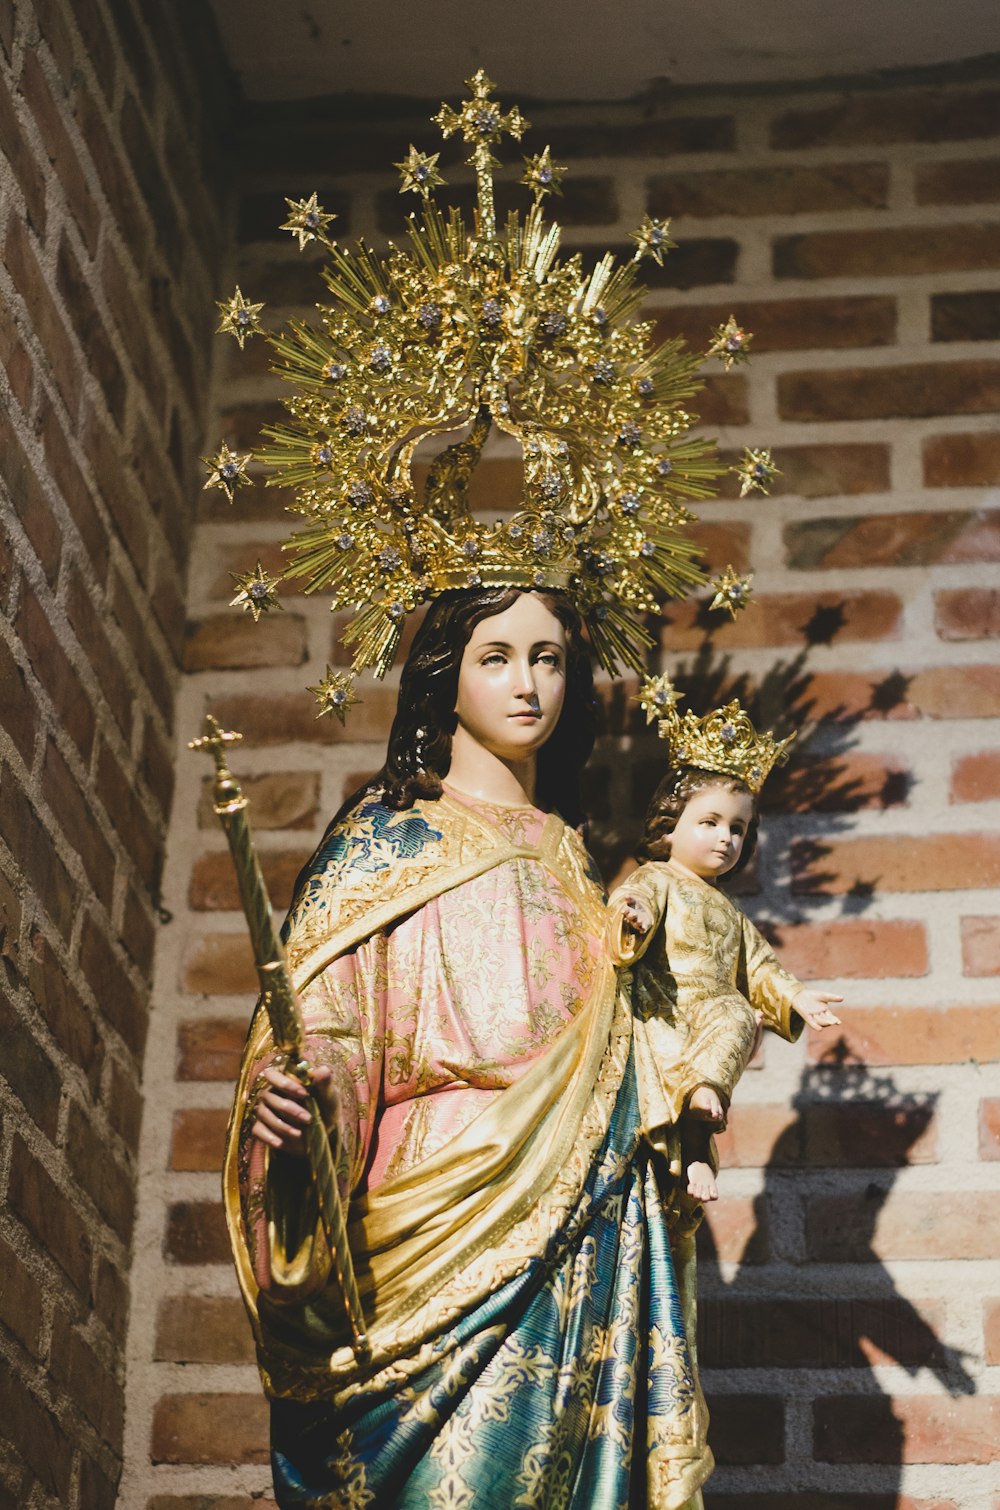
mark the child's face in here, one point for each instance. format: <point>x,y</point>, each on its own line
<point>710,832</point>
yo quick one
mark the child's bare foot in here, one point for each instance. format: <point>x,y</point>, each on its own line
<point>701,1182</point>
<point>704,1102</point>
<point>637,916</point>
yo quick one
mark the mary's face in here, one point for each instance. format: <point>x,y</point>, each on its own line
<point>512,680</point>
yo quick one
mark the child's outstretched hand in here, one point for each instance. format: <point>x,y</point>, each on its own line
<point>813,1006</point>
<point>636,916</point>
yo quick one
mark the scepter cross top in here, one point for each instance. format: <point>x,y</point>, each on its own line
<point>214,742</point>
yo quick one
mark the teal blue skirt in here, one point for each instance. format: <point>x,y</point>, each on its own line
<point>557,1392</point>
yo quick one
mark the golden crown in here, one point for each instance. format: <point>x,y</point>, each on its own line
<point>460,332</point>
<point>724,740</point>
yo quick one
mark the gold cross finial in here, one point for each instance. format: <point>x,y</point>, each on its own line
<point>214,742</point>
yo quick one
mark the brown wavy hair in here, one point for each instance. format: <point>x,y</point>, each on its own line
<point>418,756</point>
<point>670,799</point>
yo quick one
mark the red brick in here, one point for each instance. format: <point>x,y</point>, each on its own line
<point>119,1001</point>
<point>157,767</point>
<point>896,862</point>
<point>99,1172</point>
<point>853,948</point>
<point>971,613</point>
<point>917,391</point>
<point>31,502</point>
<point>198,1138</point>
<point>107,156</point>
<point>97,1491</point>
<point>140,834</point>
<point>287,717</point>
<point>34,851</point>
<point>16,361</point>
<point>111,1299</point>
<point>899,251</point>
<point>786,324</point>
<point>209,1048</point>
<point>76,1365</point>
<point>17,150</point>
<point>123,1104</point>
<point>907,1429</point>
<point>965,317</point>
<point>696,262</point>
<point>20,1299</point>
<point>101,359</point>
<point>279,799</point>
<point>958,181</point>
<point>88,623</point>
<point>957,691</point>
<point>915,539</point>
<point>989,1128</point>
<point>203,1329</point>
<point>947,115</point>
<point>220,964</point>
<point>991,1331</point>
<point>54,670</point>
<point>233,642</point>
<point>46,320</point>
<point>837,1332</point>
<point>747,1428</point>
<point>243,1502</point>
<point>981,946</point>
<point>213,880</point>
<point>132,327</point>
<point>27,1069</point>
<point>20,711</point>
<point>157,672</point>
<point>786,619</point>
<point>772,190</point>
<point>838,784</point>
<point>962,461</point>
<point>41,1439</point>
<point>975,778</point>
<point>216,1428</point>
<point>11,915</point>
<point>917,1035</point>
<point>862,1135</point>
<point>734,1229</point>
<point>48,1214</point>
<point>196,1233</point>
<point>74,815</point>
<point>887,1225</point>
<point>63,1009</point>
<point>724,400</point>
<point>723,545</point>
<point>60,150</point>
<point>74,488</point>
<point>237,558</point>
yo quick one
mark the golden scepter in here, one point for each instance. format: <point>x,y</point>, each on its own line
<point>282,1006</point>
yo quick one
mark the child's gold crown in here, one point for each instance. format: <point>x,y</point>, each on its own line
<point>724,740</point>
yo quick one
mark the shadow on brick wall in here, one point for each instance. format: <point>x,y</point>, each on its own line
<point>850,1116</point>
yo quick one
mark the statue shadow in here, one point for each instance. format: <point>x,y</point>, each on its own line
<point>842,1314</point>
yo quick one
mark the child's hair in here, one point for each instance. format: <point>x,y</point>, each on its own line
<point>671,798</point>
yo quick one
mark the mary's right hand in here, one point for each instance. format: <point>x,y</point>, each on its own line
<point>282,1111</point>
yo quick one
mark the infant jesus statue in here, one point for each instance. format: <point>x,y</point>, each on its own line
<point>704,982</point>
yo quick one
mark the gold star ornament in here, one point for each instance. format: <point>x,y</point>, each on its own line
<point>335,694</point>
<point>732,592</point>
<point>308,221</point>
<point>657,697</point>
<point>256,592</point>
<point>756,472</point>
<point>240,318</point>
<point>228,471</point>
<point>542,175</point>
<point>652,239</point>
<point>730,343</point>
<point>419,173</point>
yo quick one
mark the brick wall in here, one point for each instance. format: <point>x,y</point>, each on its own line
<point>104,305</point>
<point>851,1338</point>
